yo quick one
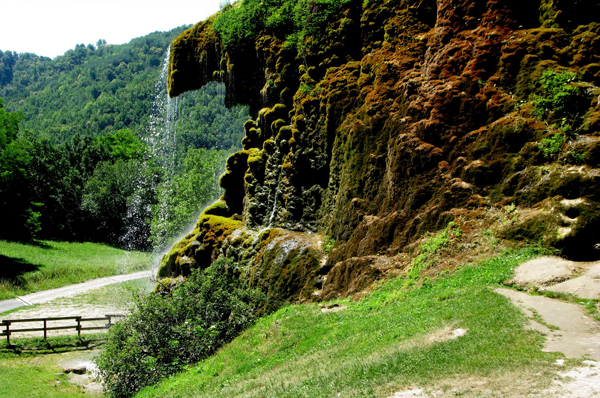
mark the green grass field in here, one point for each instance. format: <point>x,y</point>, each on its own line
<point>28,268</point>
<point>397,337</point>
<point>34,370</point>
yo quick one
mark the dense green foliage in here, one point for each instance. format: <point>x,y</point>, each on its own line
<point>89,90</point>
<point>176,327</point>
<point>95,90</point>
<point>19,218</point>
<point>204,122</point>
<point>295,19</point>
<point>561,97</point>
<point>563,103</point>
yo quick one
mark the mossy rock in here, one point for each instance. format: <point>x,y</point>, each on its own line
<point>199,248</point>
<point>219,208</point>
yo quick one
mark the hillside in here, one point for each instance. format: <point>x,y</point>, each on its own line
<point>380,121</point>
<point>98,89</point>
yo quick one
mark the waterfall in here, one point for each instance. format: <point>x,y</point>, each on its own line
<point>161,143</point>
<point>161,139</point>
<point>158,178</point>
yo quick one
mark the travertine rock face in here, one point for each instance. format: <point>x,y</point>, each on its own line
<point>405,111</point>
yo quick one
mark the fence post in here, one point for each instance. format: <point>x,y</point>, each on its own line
<point>7,333</point>
<point>79,327</point>
<point>45,337</point>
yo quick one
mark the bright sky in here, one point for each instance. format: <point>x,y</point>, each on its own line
<point>51,27</point>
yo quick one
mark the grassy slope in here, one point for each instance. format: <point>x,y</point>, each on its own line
<point>46,265</point>
<point>376,346</point>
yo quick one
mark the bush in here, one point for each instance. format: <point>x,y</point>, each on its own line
<point>561,98</point>
<point>294,19</point>
<point>175,327</point>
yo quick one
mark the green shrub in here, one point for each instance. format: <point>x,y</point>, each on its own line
<point>552,146</point>
<point>328,244</point>
<point>294,19</point>
<point>561,98</point>
<point>176,327</point>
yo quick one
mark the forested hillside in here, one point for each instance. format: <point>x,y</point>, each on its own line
<point>85,142</point>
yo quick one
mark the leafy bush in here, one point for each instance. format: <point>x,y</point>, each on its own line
<point>175,327</point>
<point>293,19</point>
<point>561,98</point>
<point>552,146</point>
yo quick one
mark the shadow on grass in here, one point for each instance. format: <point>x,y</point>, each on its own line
<point>12,269</point>
<point>53,345</point>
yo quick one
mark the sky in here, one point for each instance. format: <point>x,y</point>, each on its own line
<point>51,27</point>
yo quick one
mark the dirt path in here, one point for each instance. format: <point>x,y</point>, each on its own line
<point>95,300</point>
<point>566,327</point>
<point>71,290</point>
<point>79,288</point>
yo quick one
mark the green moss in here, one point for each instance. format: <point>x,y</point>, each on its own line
<point>541,228</point>
<point>197,249</point>
<point>219,208</point>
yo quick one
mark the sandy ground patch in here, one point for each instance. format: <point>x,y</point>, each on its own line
<point>581,279</point>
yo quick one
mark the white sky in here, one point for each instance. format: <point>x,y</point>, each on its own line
<point>51,27</point>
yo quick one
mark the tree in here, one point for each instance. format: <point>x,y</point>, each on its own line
<point>20,220</point>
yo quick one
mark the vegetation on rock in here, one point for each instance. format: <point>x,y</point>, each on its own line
<point>393,118</point>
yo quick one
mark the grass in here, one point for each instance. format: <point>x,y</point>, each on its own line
<point>28,268</point>
<point>395,338</point>
<point>34,369</point>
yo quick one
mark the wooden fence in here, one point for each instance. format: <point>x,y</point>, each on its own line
<point>78,326</point>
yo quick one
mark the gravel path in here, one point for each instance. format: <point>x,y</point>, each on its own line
<point>71,290</point>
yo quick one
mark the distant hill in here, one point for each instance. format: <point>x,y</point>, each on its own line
<point>98,89</point>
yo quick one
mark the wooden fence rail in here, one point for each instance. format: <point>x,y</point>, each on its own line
<point>78,319</point>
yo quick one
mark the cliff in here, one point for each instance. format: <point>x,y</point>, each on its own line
<point>389,120</point>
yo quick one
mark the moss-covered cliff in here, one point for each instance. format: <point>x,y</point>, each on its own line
<point>390,120</point>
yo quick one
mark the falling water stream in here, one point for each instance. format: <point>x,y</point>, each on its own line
<point>163,142</point>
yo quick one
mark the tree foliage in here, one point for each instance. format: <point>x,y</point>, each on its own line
<point>79,159</point>
<point>178,326</point>
<point>295,19</point>
<point>20,220</point>
<point>103,89</point>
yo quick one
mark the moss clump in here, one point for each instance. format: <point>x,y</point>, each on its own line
<point>219,208</point>
<point>282,264</point>
<point>199,248</point>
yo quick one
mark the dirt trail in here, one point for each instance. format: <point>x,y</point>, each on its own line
<point>566,327</point>
<point>79,288</point>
